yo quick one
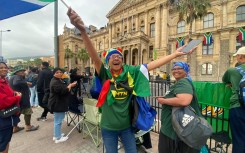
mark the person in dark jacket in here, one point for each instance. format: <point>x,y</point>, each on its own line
<point>58,102</point>
<point>18,83</point>
<point>43,81</point>
<point>8,98</point>
<point>74,76</point>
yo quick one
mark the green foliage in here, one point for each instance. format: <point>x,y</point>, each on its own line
<point>190,10</point>
<point>82,55</point>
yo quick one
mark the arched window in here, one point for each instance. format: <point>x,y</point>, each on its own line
<point>100,45</point>
<point>207,69</point>
<point>151,52</point>
<point>207,49</point>
<point>181,27</point>
<point>152,29</point>
<point>142,26</point>
<point>76,48</point>
<point>208,20</point>
<point>240,13</point>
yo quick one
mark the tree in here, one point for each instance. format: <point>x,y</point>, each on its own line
<point>68,55</point>
<point>83,56</point>
<point>190,10</point>
<point>37,62</point>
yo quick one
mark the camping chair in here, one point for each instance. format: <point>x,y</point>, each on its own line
<point>75,113</point>
<point>91,121</point>
<point>221,139</point>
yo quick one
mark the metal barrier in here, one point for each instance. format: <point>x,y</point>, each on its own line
<point>216,116</point>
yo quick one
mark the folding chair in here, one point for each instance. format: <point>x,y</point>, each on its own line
<point>221,139</point>
<point>91,121</point>
<point>75,112</point>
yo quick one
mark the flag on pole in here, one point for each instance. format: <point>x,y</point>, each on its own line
<point>180,42</point>
<point>10,8</point>
<point>241,35</point>
<point>208,38</point>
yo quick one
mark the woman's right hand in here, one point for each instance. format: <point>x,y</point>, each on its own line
<point>76,20</point>
<point>17,94</point>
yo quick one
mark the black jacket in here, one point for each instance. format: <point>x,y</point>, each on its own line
<point>43,80</point>
<point>59,96</point>
<point>18,83</point>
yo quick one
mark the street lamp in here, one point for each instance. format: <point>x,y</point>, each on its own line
<point>1,39</point>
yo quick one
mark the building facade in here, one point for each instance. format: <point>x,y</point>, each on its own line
<point>149,29</point>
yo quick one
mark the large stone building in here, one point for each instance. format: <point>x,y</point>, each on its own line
<point>149,29</point>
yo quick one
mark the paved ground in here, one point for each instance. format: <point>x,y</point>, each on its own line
<point>40,141</point>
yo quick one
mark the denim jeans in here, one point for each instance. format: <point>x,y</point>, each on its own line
<point>110,139</point>
<point>58,118</point>
<point>33,97</point>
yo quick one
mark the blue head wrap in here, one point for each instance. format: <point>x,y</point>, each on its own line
<point>186,68</point>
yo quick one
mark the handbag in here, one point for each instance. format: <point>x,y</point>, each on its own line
<point>191,128</point>
<point>95,88</point>
<point>9,111</point>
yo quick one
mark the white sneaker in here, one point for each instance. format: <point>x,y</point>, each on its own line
<point>62,134</point>
<point>62,139</point>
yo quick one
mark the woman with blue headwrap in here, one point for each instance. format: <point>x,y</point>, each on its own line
<point>179,95</point>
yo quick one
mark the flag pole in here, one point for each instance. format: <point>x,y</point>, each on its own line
<point>65,4</point>
<point>56,34</point>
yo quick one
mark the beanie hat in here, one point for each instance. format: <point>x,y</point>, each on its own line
<point>111,51</point>
<point>57,69</point>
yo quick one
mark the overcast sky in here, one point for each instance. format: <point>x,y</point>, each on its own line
<point>32,33</point>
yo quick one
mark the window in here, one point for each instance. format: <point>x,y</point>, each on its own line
<point>125,30</point>
<point>100,45</point>
<point>150,51</point>
<point>133,28</point>
<point>152,29</point>
<point>207,69</point>
<point>240,13</point>
<point>181,27</point>
<point>76,49</point>
<point>207,49</point>
<point>142,28</point>
<point>208,20</point>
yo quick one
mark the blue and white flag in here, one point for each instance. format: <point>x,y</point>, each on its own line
<point>10,8</point>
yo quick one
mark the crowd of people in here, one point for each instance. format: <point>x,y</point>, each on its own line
<point>50,89</point>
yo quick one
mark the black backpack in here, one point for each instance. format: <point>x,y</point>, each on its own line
<point>241,91</point>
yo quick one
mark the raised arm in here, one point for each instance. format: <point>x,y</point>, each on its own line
<point>163,60</point>
<point>78,23</point>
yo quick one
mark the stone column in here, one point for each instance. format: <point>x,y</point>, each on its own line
<point>136,22</point>
<point>164,35</point>
<point>140,54</point>
<point>157,27</point>
<point>146,22</point>
<point>110,34</point>
<point>224,17</point>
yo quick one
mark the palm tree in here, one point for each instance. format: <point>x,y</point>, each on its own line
<point>83,56</point>
<point>68,55</point>
<point>190,10</point>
